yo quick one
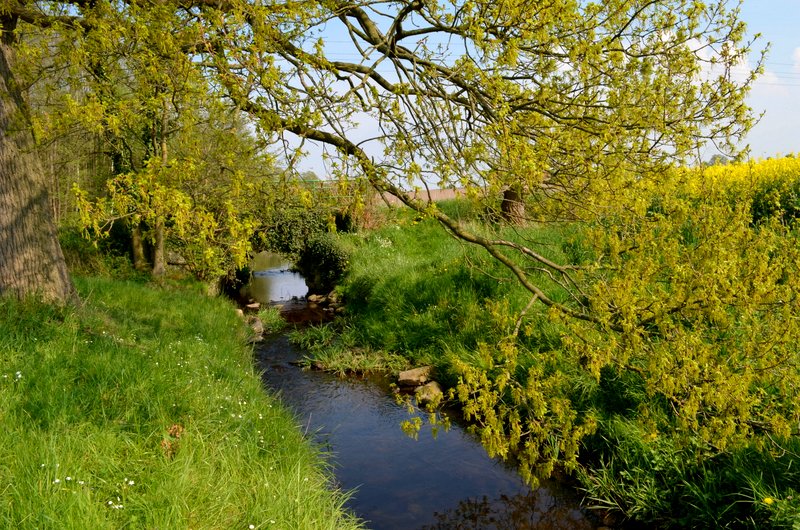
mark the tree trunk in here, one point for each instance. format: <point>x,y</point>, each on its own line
<point>512,208</point>
<point>31,261</point>
<point>137,249</point>
<point>159,261</point>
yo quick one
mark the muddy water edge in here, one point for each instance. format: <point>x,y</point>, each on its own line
<point>440,480</point>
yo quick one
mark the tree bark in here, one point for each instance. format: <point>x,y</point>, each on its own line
<point>31,261</point>
<point>512,208</point>
<point>137,249</point>
<point>159,261</point>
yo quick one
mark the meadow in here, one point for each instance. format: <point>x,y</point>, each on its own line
<point>141,409</point>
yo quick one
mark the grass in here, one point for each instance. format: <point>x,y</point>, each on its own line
<point>272,320</point>
<point>141,409</point>
<point>413,292</point>
<point>416,296</point>
<point>335,351</point>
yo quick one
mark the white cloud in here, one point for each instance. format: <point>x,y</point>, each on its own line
<point>770,84</point>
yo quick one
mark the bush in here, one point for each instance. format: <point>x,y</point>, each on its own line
<point>322,262</point>
<point>106,257</point>
<point>656,481</point>
<point>288,228</point>
<point>777,199</point>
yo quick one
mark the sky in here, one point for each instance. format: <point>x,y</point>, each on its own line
<point>777,92</point>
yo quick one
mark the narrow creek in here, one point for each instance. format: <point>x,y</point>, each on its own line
<point>434,482</point>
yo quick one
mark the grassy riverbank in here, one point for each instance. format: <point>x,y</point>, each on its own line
<point>416,296</point>
<point>141,409</point>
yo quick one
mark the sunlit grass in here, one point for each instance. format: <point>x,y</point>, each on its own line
<point>331,347</point>
<point>141,409</point>
<point>413,290</point>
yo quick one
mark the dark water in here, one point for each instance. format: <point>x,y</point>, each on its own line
<point>399,482</point>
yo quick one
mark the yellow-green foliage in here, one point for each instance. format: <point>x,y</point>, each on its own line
<point>695,307</point>
<point>210,237</point>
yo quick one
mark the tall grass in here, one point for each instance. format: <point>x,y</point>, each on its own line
<point>141,409</point>
<point>415,291</point>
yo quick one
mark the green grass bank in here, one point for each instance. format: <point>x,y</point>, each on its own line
<point>414,296</point>
<point>141,409</point>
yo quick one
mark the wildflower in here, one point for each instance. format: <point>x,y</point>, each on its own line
<point>768,500</point>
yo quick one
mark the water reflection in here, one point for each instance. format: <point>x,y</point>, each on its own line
<point>272,280</point>
<point>401,483</point>
<point>538,509</point>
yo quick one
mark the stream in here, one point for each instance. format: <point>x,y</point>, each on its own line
<point>397,482</point>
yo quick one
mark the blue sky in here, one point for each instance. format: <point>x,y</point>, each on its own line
<point>777,93</point>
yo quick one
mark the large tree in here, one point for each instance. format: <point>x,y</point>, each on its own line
<point>570,102</point>
<point>178,166</point>
<point>31,260</point>
<point>576,99</point>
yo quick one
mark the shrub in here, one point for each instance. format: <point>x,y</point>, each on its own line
<point>288,229</point>
<point>322,262</point>
<point>659,482</point>
<point>106,257</point>
<point>777,199</point>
